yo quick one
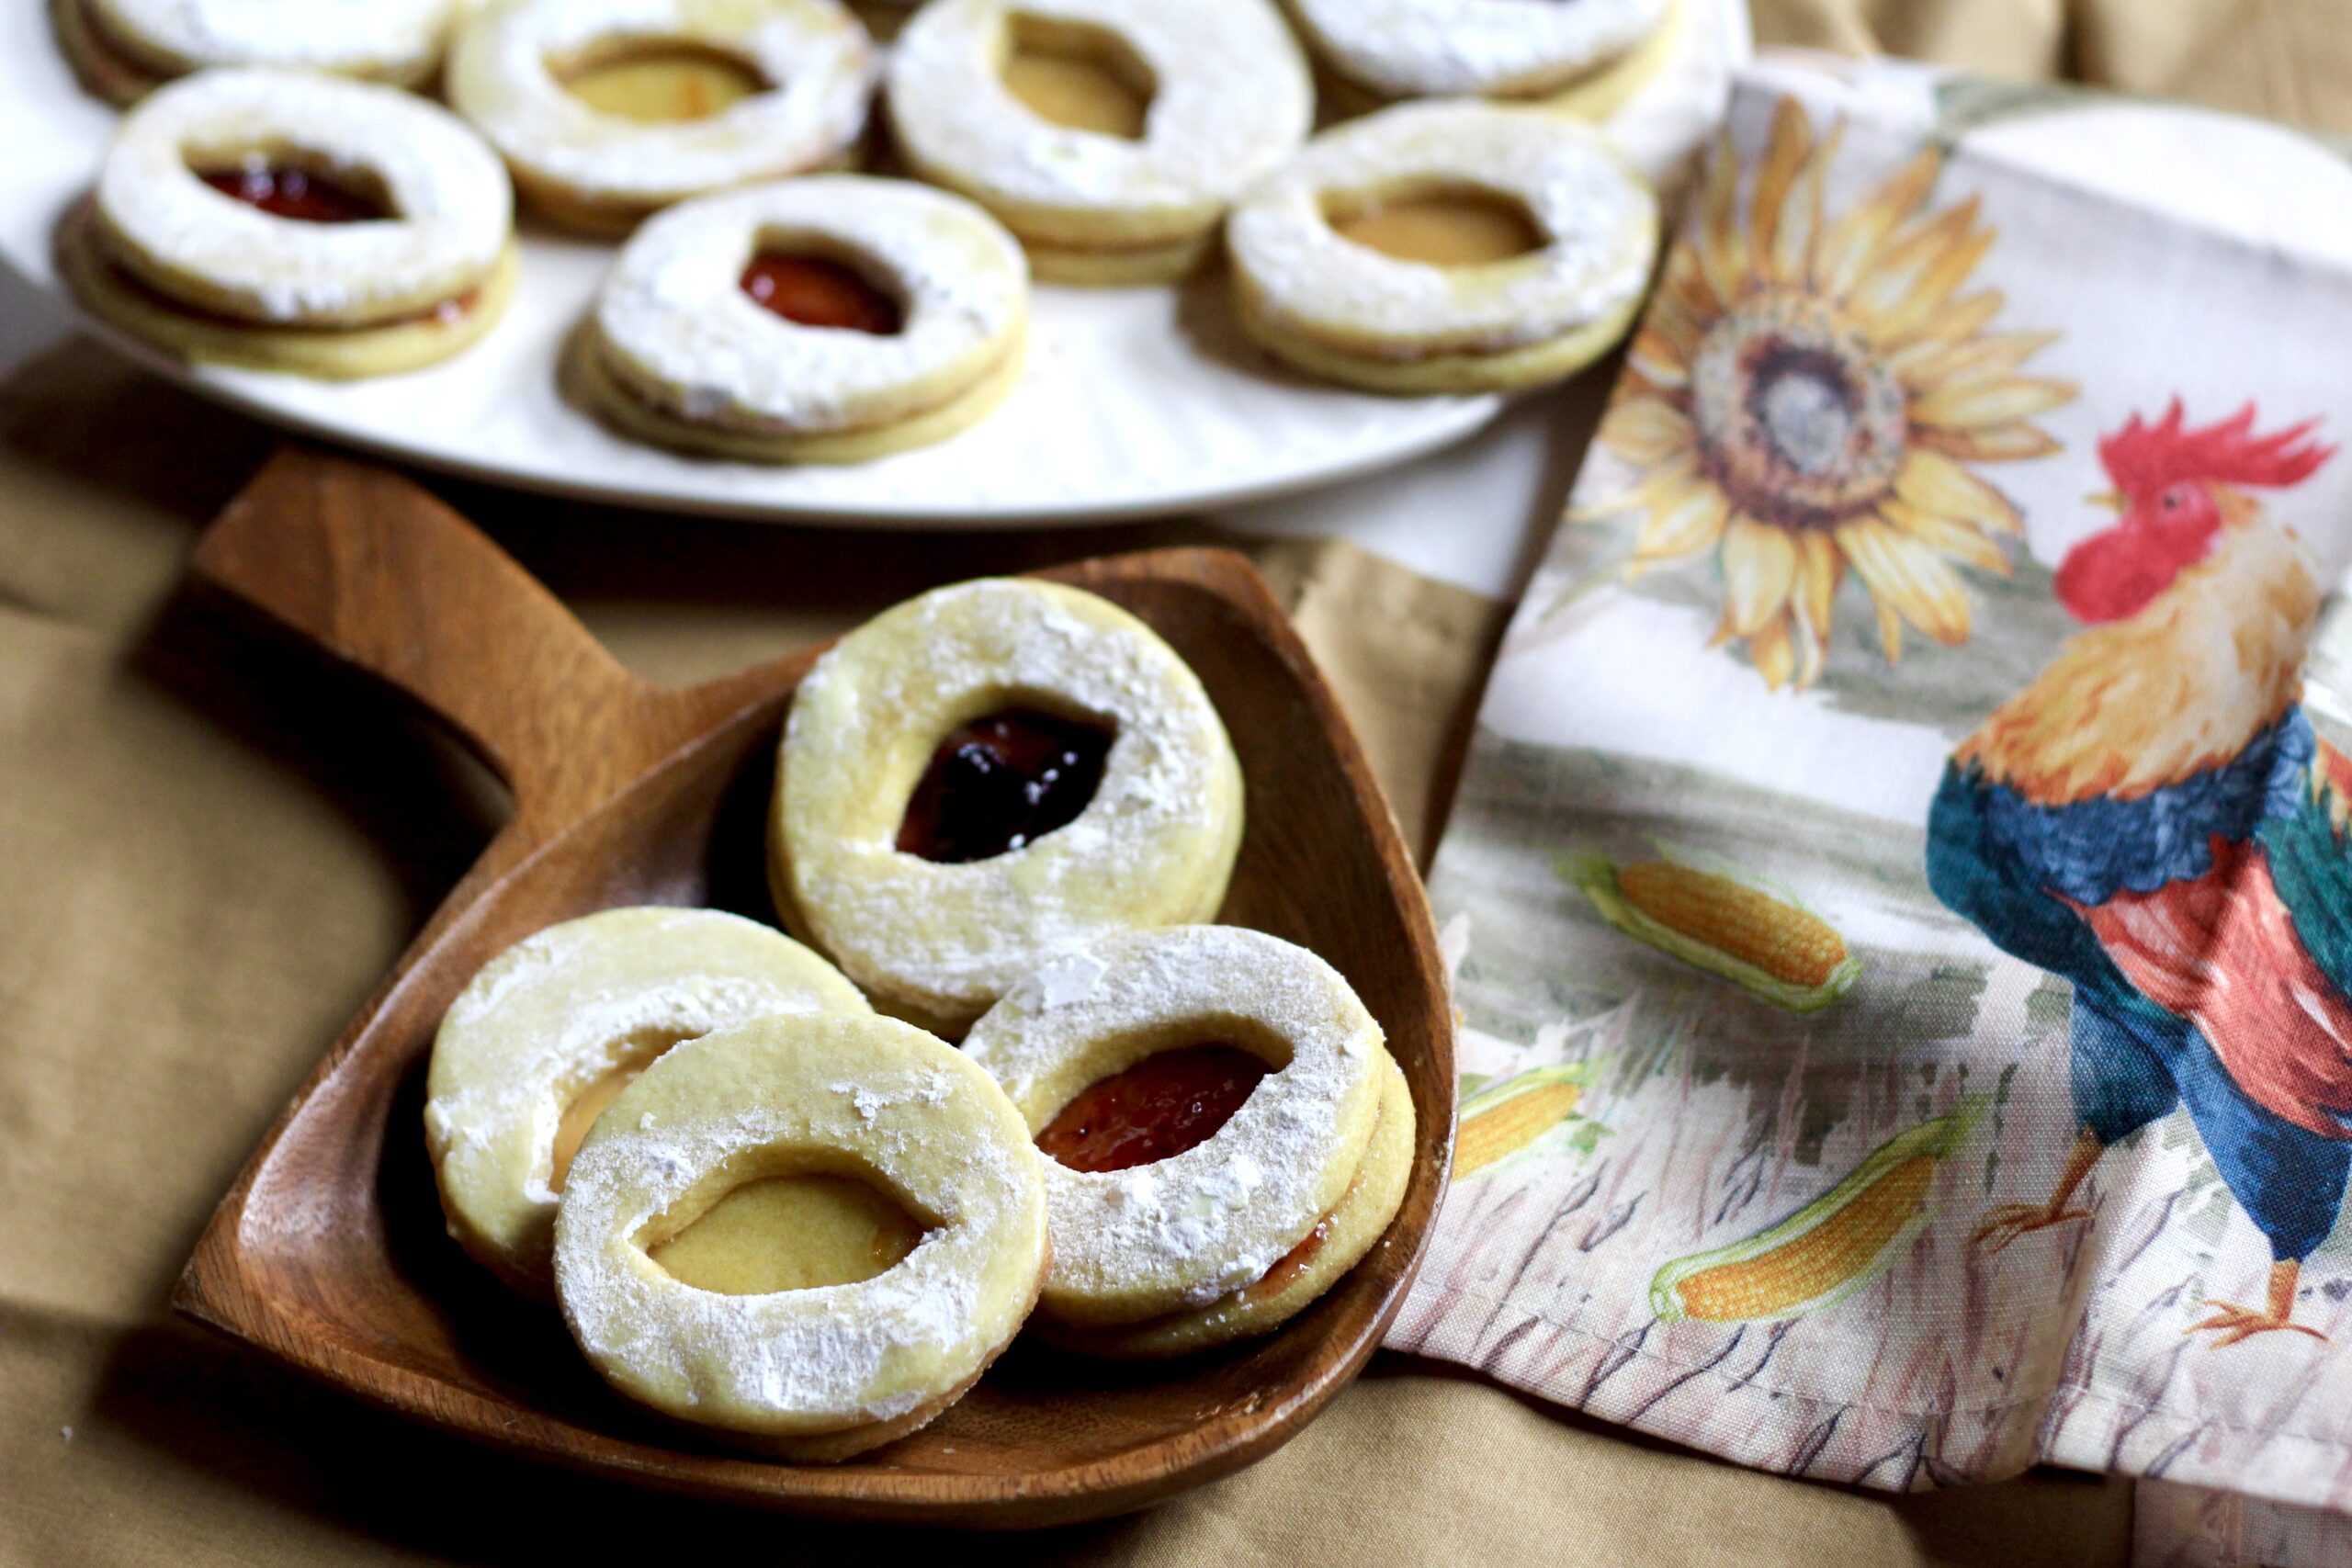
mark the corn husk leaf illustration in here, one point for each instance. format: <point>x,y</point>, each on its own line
<point>1506,1118</point>
<point>1827,1250</point>
<point>1758,940</point>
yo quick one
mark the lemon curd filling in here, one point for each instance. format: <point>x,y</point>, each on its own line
<point>664,83</point>
<point>1445,226</point>
<point>790,1233</point>
<point>1079,76</point>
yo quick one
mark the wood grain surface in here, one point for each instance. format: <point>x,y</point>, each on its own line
<point>329,1251</point>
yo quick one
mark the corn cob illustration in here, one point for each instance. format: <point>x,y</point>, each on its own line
<point>1502,1119</point>
<point>1767,945</point>
<point>1827,1250</point>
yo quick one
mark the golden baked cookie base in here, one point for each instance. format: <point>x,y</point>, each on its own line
<point>328,354</point>
<point>592,387</point>
<point>1354,1226</point>
<point>1079,266</point>
<point>1061,228</point>
<point>1502,370</point>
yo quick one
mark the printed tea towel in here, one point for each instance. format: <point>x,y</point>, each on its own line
<point>1901,886</point>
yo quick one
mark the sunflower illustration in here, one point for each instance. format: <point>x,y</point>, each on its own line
<point>1806,396</point>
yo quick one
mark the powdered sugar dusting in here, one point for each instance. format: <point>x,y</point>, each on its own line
<point>1153,847</point>
<point>1232,98</point>
<point>869,1103</point>
<point>819,59</point>
<point>1599,221</point>
<point>1070,978</point>
<point>675,323</point>
<point>1207,1221</point>
<point>453,209</point>
<point>390,38</point>
<point>833,1356</point>
<point>1419,48</point>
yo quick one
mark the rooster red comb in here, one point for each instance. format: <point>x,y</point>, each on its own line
<point>2143,459</point>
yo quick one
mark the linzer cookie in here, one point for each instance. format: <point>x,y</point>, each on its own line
<point>829,319</point>
<point>827,1371</point>
<point>989,98</point>
<point>988,775</point>
<point>292,221</point>
<point>1208,1095</point>
<point>124,49</point>
<point>551,1029</point>
<point>609,110</point>
<point>1319,285</point>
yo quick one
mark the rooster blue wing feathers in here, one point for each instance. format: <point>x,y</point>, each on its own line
<point>2003,861</point>
<point>2121,1073</point>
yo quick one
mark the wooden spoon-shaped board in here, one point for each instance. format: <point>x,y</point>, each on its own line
<point>329,1251</point>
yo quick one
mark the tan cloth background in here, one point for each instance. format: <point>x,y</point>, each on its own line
<point>209,851</point>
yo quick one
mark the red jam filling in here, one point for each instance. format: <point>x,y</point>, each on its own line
<point>297,193</point>
<point>1002,782</point>
<point>1289,1265</point>
<point>819,293</point>
<point>1158,1109</point>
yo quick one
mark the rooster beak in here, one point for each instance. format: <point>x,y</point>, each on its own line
<point>2110,499</point>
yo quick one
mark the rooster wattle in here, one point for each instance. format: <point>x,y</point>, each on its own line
<point>2155,820</point>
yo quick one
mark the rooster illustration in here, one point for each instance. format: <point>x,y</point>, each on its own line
<point>2154,820</point>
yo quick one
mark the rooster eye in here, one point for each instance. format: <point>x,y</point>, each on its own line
<point>2172,501</point>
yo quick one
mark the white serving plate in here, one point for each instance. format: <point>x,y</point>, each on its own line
<point>1136,402</point>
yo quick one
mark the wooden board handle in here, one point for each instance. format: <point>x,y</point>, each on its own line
<point>383,575</point>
